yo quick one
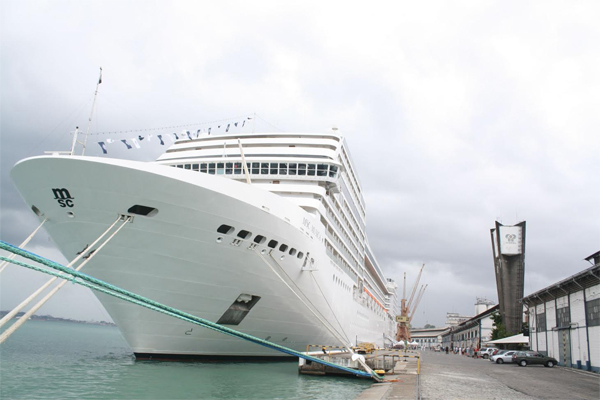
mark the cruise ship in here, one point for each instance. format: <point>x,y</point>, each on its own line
<point>261,232</point>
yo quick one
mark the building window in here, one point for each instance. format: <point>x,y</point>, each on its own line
<point>541,322</point>
<point>593,312</point>
<point>563,318</point>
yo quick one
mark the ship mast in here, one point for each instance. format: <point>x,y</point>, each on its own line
<point>76,133</point>
<point>91,113</point>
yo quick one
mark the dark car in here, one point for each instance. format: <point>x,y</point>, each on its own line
<point>523,358</point>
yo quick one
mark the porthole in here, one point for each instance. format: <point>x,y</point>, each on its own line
<point>219,239</point>
<point>243,234</point>
<point>282,257</point>
<point>292,251</point>
<point>263,251</point>
<point>260,239</point>
<point>300,254</point>
<point>225,229</point>
<point>272,244</point>
<point>283,247</point>
<point>70,214</point>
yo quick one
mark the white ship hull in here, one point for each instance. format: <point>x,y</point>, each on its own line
<point>178,258</point>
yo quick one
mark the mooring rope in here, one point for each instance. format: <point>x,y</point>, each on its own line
<point>104,287</point>
<point>5,263</point>
<point>6,334</point>
<point>35,294</point>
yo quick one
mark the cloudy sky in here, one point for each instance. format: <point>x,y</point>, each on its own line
<point>457,114</point>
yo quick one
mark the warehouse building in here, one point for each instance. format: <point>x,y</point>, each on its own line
<point>564,319</point>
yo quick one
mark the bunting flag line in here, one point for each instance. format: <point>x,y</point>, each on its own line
<point>204,126</point>
<point>136,141</point>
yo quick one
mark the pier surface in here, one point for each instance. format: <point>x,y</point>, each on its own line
<point>459,377</point>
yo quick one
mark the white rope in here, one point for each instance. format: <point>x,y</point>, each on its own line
<point>328,305</point>
<point>346,343</point>
<point>6,334</point>
<point>330,328</point>
<point>28,300</point>
<point>5,263</point>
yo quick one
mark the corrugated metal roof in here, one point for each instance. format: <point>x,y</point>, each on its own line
<point>585,279</point>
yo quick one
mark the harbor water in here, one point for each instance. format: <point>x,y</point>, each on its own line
<point>62,360</point>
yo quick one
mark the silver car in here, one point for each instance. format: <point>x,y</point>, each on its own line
<point>501,358</point>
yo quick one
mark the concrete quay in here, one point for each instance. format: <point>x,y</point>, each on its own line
<point>449,376</point>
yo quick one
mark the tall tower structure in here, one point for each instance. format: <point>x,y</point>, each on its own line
<point>508,245</point>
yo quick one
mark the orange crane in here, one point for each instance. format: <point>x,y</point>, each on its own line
<point>407,309</point>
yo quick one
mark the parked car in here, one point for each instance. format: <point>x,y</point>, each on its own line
<point>502,356</point>
<point>523,358</point>
<point>498,350</point>
<point>485,352</point>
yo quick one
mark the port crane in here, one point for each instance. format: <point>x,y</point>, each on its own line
<point>408,308</point>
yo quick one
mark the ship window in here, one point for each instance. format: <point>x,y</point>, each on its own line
<point>220,168</point>
<point>180,166</point>
<point>238,168</point>
<point>244,234</point>
<point>322,170</point>
<point>229,168</point>
<point>311,169</point>
<point>293,168</point>
<point>260,239</point>
<point>283,247</point>
<point>211,168</point>
<point>202,167</point>
<point>264,168</point>
<point>333,171</point>
<point>273,170</point>
<point>301,169</point>
<point>272,244</point>
<point>292,251</point>
<point>300,254</point>
<point>226,229</point>
<point>188,166</point>
<point>255,168</point>
<point>283,169</point>
<point>196,167</point>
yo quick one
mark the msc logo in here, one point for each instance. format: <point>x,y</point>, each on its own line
<point>63,197</point>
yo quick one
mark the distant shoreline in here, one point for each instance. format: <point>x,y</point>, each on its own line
<point>57,319</point>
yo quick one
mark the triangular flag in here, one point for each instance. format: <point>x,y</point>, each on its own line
<point>135,143</point>
<point>161,141</point>
<point>102,146</point>
<point>126,144</point>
